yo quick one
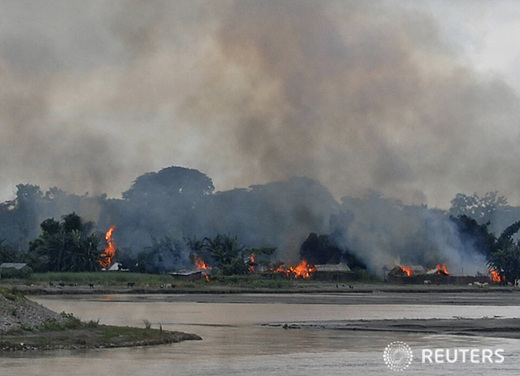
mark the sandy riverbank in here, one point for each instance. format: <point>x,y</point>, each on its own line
<point>487,327</point>
<point>445,297</point>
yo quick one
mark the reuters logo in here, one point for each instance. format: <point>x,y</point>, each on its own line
<point>398,356</point>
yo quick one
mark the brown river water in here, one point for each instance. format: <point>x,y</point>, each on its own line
<point>235,343</point>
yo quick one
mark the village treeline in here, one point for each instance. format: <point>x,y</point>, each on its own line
<point>166,218</point>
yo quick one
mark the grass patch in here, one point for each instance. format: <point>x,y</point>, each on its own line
<point>89,337</point>
<point>97,278</point>
<point>92,324</point>
<point>72,333</point>
<point>256,281</point>
<point>12,295</point>
<point>141,282</point>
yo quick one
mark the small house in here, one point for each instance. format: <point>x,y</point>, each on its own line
<point>333,272</point>
<point>14,269</point>
<point>22,267</point>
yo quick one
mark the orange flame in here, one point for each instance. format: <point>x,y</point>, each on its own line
<point>200,264</point>
<point>495,276</point>
<point>282,270</point>
<point>108,255</point>
<point>442,268</point>
<point>406,269</point>
<point>302,270</point>
<point>251,267</point>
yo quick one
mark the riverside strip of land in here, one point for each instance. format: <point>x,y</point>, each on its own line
<point>297,292</point>
<point>309,292</point>
<point>26,325</point>
<point>486,327</point>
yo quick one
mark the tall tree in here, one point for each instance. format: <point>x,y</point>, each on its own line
<point>320,250</point>
<point>163,255</point>
<point>475,235</point>
<point>481,209</point>
<point>68,245</point>
<point>170,182</point>
<point>505,260</point>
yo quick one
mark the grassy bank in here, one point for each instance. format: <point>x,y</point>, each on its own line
<point>136,283</point>
<point>98,278</point>
<point>79,335</point>
<point>141,280</point>
<point>115,279</point>
<point>26,325</point>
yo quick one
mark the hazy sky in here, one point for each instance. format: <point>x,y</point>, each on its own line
<point>418,100</point>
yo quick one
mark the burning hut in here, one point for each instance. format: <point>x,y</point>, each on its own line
<point>201,272</point>
<point>418,274</point>
<point>437,275</point>
<point>303,270</point>
<point>438,271</point>
<point>400,271</point>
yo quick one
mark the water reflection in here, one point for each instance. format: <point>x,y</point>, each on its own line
<point>234,343</point>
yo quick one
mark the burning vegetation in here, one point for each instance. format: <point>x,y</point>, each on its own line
<point>409,271</point>
<point>107,257</point>
<point>303,270</point>
<point>201,265</point>
<point>72,245</point>
<point>439,275</point>
<point>252,266</point>
<point>337,233</point>
<point>406,270</point>
<point>441,270</point>
<point>495,276</point>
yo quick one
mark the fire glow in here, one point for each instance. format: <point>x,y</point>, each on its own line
<point>201,265</point>
<point>302,270</point>
<point>494,276</point>
<point>442,268</point>
<point>407,270</point>
<point>107,257</point>
<point>439,269</point>
<point>252,264</point>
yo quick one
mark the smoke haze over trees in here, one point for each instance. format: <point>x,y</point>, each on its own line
<point>298,216</point>
<point>358,95</point>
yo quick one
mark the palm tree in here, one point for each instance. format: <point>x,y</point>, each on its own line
<point>227,254</point>
<point>505,259</point>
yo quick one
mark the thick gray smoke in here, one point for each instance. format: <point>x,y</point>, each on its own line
<point>359,95</point>
<point>162,210</point>
<point>384,233</point>
<point>180,203</point>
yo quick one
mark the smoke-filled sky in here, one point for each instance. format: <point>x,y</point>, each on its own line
<point>416,99</point>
